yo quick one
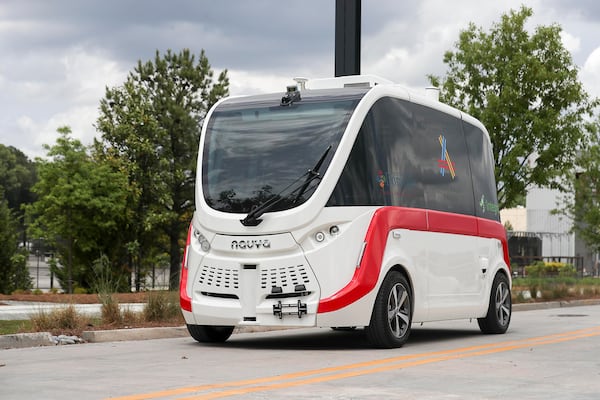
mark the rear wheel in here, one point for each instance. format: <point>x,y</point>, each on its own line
<point>392,313</point>
<point>500,307</point>
<point>210,334</point>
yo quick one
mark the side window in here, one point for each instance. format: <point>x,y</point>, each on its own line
<point>444,163</point>
<point>482,165</point>
<point>407,155</point>
<point>382,167</point>
<point>357,184</point>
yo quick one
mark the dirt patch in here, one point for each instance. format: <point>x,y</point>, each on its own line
<point>141,297</point>
<point>129,320</point>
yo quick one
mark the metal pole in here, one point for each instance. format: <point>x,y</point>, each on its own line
<point>37,285</point>
<point>347,37</point>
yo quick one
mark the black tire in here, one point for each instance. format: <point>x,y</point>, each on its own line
<point>392,313</point>
<point>499,309</point>
<point>210,334</point>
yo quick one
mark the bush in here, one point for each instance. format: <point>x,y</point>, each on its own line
<point>110,310</point>
<point>162,306</point>
<point>542,269</point>
<point>65,319</point>
<point>80,290</point>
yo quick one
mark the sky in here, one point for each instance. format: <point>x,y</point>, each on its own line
<point>58,56</point>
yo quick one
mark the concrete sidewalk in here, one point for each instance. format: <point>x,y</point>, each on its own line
<point>23,310</point>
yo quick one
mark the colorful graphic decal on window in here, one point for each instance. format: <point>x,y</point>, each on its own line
<point>381,179</point>
<point>445,163</point>
<point>488,206</point>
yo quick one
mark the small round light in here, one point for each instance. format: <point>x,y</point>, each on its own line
<point>334,230</point>
<point>319,236</point>
<point>204,243</point>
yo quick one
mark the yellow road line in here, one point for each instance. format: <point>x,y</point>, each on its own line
<point>358,369</point>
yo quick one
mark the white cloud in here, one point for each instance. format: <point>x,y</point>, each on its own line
<point>246,83</point>
<point>44,130</point>
<point>590,73</point>
<point>87,74</point>
<point>571,43</point>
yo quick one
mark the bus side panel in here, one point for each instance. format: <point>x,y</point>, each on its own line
<point>408,250</point>
<point>495,262</point>
<point>404,248</point>
<point>454,275</point>
<point>368,273</point>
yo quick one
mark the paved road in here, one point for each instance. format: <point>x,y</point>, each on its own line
<point>547,354</point>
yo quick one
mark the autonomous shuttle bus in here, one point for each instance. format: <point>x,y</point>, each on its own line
<point>344,202</point>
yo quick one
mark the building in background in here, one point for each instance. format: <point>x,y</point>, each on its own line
<point>540,234</point>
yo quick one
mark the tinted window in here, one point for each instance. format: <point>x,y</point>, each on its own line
<point>407,155</point>
<point>255,151</point>
<point>482,165</point>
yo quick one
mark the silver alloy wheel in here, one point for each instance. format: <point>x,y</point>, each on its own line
<point>399,310</point>
<point>503,303</point>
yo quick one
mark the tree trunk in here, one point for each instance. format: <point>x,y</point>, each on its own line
<point>175,258</point>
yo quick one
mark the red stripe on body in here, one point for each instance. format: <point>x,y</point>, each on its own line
<point>386,219</point>
<point>184,300</point>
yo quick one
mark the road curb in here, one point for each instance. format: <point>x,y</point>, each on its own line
<point>22,340</point>
<point>555,304</point>
<point>119,335</point>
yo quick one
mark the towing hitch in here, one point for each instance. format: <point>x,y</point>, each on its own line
<point>296,309</point>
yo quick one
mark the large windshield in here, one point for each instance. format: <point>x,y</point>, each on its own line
<point>256,151</point>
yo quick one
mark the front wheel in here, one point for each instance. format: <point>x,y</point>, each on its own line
<point>500,307</point>
<point>210,334</point>
<point>392,313</point>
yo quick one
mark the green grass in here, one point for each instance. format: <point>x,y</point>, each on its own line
<point>11,327</point>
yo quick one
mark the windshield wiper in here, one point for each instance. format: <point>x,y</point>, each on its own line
<point>312,173</point>
<point>253,217</point>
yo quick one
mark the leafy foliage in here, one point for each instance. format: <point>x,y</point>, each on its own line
<point>543,269</point>
<point>584,206</point>
<point>17,176</point>
<point>524,88</point>
<point>152,122</point>
<point>14,274</point>
<point>80,208</point>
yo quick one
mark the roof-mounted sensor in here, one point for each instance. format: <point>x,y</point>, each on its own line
<point>291,96</point>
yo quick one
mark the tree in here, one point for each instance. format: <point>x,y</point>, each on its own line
<point>153,122</point>
<point>81,208</point>
<point>17,176</point>
<point>524,88</point>
<point>13,269</point>
<point>584,207</point>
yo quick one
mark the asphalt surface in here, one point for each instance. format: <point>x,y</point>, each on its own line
<point>22,311</point>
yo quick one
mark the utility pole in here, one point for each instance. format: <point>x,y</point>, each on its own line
<point>347,37</point>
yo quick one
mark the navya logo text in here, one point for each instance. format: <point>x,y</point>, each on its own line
<point>250,244</point>
<point>445,163</point>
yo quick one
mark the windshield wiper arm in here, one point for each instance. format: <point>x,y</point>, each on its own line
<point>252,219</point>
<point>314,172</point>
